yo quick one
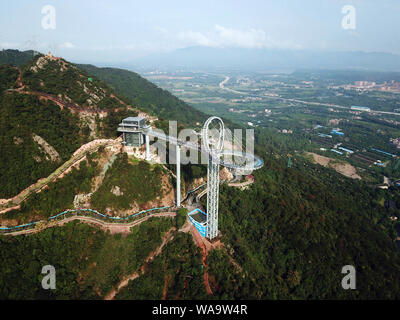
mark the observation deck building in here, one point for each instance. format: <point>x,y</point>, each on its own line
<point>132,129</point>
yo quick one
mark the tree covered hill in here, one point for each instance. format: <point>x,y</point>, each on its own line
<point>22,159</point>
<point>16,57</point>
<point>58,77</point>
<point>30,121</point>
<point>290,233</point>
<point>25,81</point>
<point>141,92</point>
<point>294,230</point>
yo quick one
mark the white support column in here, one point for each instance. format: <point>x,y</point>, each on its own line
<point>178,176</point>
<point>147,147</point>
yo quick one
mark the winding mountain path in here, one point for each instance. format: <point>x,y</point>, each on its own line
<point>167,237</point>
<point>42,183</point>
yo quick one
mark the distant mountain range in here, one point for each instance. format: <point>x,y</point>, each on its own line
<point>270,59</point>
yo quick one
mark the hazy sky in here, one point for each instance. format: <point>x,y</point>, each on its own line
<point>121,30</point>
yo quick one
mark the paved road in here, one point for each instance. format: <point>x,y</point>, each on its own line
<point>222,86</point>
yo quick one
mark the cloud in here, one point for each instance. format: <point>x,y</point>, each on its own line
<point>9,45</point>
<point>66,45</point>
<point>252,38</point>
<point>229,37</point>
<point>196,38</point>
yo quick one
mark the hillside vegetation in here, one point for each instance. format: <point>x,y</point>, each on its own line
<point>26,112</point>
<point>58,77</point>
<point>88,261</point>
<point>294,230</point>
<point>8,76</point>
<point>16,57</point>
<point>137,184</point>
<point>22,161</point>
<point>176,273</point>
<point>286,237</point>
<point>141,92</point>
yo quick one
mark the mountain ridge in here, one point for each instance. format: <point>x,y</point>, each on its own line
<point>260,59</point>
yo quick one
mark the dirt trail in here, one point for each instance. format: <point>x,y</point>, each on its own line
<point>241,185</point>
<point>167,237</point>
<point>200,243</point>
<point>166,281</point>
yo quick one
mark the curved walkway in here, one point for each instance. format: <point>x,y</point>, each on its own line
<point>89,213</point>
<point>82,213</point>
<point>113,227</point>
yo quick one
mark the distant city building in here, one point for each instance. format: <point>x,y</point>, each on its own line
<point>338,133</point>
<point>132,130</point>
<point>334,122</point>
<point>380,164</point>
<point>346,150</point>
<point>359,108</point>
<point>338,152</point>
<point>396,142</point>
<point>366,84</point>
<point>323,135</point>
<point>384,152</point>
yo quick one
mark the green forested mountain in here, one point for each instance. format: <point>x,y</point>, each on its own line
<point>22,161</point>
<point>75,250</point>
<point>58,77</point>
<point>286,237</point>
<point>141,92</point>
<point>295,229</point>
<point>8,76</point>
<point>28,117</point>
<point>16,57</point>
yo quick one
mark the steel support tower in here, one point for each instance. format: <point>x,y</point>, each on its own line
<point>213,136</point>
<point>212,198</point>
<point>213,140</point>
<point>147,139</point>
